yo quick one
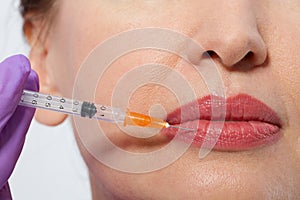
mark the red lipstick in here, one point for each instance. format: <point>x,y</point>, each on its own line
<point>246,122</point>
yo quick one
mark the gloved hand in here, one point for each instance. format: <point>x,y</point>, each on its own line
<point>15,75</point>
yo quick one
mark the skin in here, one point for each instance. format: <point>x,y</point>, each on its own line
<point>229,29</point>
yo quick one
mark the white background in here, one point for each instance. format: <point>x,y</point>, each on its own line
<point>50,166</point>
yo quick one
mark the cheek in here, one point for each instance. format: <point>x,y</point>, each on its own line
<point>72,38</point>
<point>284,45</point>
<point>287,61</point>
<point>282,35</point>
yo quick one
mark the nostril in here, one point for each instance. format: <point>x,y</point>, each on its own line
<point>249,56</point>
<point>209,54</point>
<point>246,63</point>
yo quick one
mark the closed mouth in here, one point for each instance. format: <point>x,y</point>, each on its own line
<point>237,123</point>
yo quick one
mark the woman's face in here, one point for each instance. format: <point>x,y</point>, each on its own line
<point>254,45</point>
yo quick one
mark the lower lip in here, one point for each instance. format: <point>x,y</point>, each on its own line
<point>227,135</point>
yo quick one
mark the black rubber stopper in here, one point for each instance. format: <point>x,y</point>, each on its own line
<point>88,109</point>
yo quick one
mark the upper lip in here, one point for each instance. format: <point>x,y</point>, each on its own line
<point>242,107</point>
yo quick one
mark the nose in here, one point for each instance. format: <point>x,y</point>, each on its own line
<point>230,34</point>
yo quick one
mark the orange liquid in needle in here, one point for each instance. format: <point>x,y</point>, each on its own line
<point>137,119</point>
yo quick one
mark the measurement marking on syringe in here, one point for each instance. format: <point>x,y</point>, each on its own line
<point>49,98</point>
<point>48,104</point>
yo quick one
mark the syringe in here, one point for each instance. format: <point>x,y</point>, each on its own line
<point>91,110</point>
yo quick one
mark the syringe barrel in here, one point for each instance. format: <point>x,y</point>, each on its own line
<point>50,102</point>
<point>72,107</point>
<point>110,114</point>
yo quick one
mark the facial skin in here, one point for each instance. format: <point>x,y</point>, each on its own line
<point>270,30</point>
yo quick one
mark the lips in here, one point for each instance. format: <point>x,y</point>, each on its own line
<point>238,123</point>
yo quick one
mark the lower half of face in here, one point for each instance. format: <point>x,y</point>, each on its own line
<point>257,155</point>
<point>264,166</point>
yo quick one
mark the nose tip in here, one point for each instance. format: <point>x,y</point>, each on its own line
<point>231,36</point>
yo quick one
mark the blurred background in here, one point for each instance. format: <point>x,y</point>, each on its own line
<point>50,166</point>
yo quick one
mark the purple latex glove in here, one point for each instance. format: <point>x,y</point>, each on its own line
<point>15,75</point>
